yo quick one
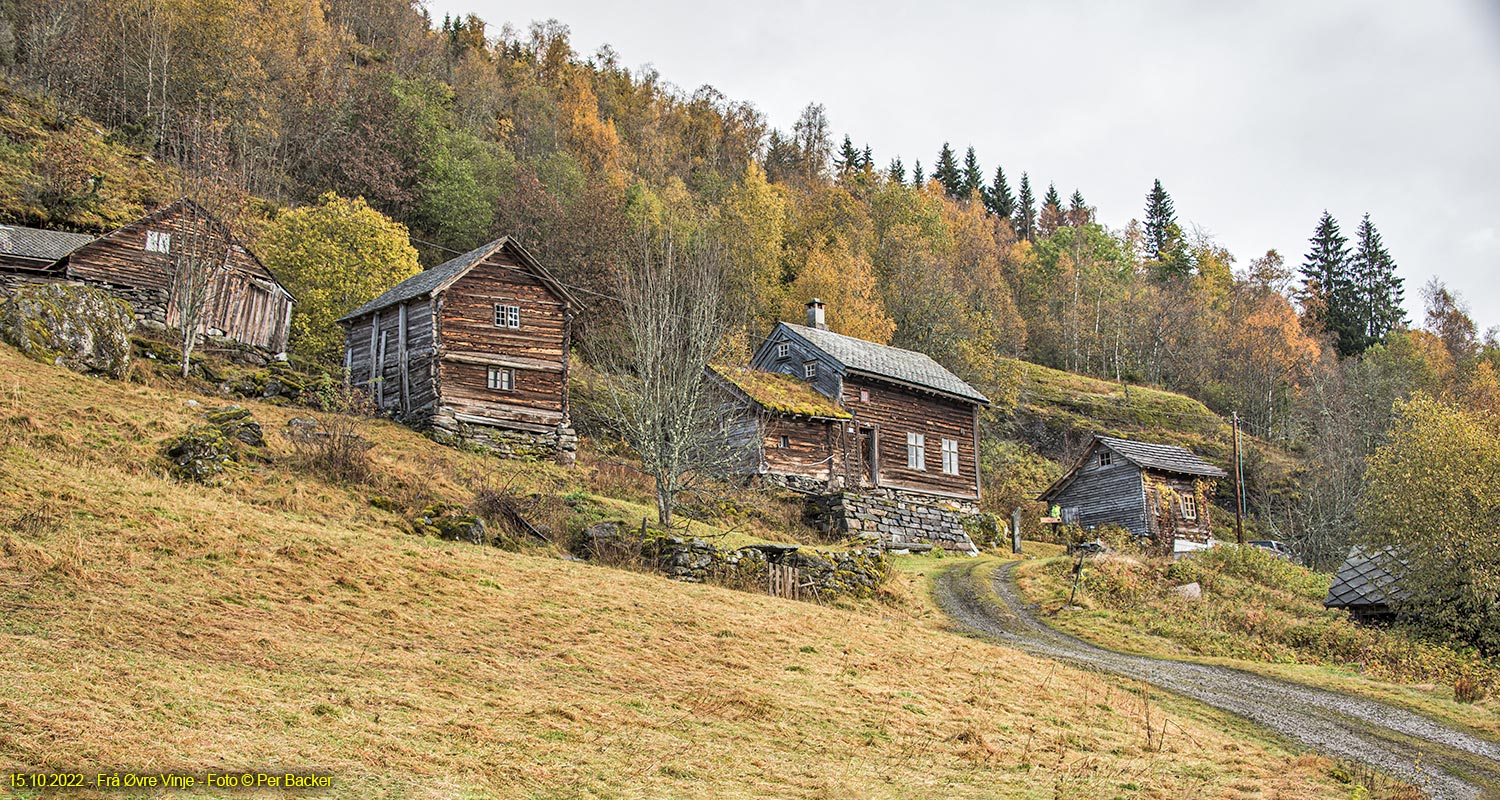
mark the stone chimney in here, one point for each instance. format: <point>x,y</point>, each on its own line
<point>815,315</point>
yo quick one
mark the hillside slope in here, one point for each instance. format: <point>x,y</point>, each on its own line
<point>281,621</point>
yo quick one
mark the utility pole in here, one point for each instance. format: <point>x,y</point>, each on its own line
<point>1239,485</point>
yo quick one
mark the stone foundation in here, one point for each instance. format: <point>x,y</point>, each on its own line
<point>559,444</point>
<point>894,519</point>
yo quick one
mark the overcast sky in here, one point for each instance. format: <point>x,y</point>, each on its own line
<point>1255,116</point>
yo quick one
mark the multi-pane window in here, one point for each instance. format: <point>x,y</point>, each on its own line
<point>507,316</point>
<point>916,451</point>
<point>1104,458</point>
<point>950,456</point>
<point>502,379</point>
<point>783,350</point>
<point>785,442</point>
<point>158,242</point>
<point>1189,506</point>
<point>810,370</point>
<point>864,395</point>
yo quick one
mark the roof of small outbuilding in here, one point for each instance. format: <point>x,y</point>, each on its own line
<point>1165,457</point>
<point>39,244</point>
<point>782,394</point>
<point>1366,579</point>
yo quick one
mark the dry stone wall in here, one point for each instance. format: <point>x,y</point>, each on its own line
<point>893,520</point>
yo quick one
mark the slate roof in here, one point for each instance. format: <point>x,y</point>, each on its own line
<point>1367,579</point>
<point>1165,457</point>
<point>774,391</point>
<point>885,361</point>
<point>38,244</point>
<point>428,281</point>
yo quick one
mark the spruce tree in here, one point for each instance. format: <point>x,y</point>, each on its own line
<point>1079,214</point>
<point>847,160</point>
<point>1052,219</point>
<point>866,159</point>
<point>917,178</point>
<point>1328,294</point>
<point>998,199</point>
<point>1379,292</point>
<point>947,173</point>
<point>1025,220</point>
<point>1160,216</point>
<point>896,171</point>
<point>973,177</point>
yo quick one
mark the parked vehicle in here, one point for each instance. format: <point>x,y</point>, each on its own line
<point>1275,548</point>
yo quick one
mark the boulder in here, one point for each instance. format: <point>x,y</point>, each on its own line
<point>450,521</point>
<point>237,423</point>
<point>79,327</point>
<point>1189,591</point>
<point>202,455</point>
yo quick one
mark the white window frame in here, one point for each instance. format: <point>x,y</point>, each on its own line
<point>916,451</point>
<point>810,370</point>
<point>864,395</point>
<point>507,316</point>
<point>950,456</point>
<point>1188,505</point>
<point>501,379</point>
<point>159,242</point>
<point>783,350</point>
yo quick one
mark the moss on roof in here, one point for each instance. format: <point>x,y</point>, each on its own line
<point>781,393</point>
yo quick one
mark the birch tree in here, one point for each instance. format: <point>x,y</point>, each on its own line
<point>204,232</point>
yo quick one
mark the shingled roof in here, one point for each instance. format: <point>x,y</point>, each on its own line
<point>1367,581</point>
<point>1165,457</point>
<point>885,361</point>
<point>437,278</point>
<point>39,245</point>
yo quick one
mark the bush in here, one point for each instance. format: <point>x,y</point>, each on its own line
<point>331,450</point>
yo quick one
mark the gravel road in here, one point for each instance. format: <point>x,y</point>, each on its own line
<point>1444,761</point>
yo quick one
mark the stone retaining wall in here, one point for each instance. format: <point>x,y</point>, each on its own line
<point>893,520</point>
<point>560,445</point>
<point>824,574</point>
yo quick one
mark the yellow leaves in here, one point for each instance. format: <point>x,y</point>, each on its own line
<point>845,280</point>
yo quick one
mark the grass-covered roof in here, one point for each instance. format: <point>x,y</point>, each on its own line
<point>780,393</point>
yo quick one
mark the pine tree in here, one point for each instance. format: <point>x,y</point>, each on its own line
<point>866,159</point>
<point>1160,216</point>
<point>973,176</point>
<point>1328,294</point>
<point>1379,292</point>
<point>917,178</point>
<point>1052,219</point>
<point>1079,213</point>
<point>998,199</point>
<point>1025,221</point>
<point>897,171</point>
<point>847,160</point>
<point>948,174</point>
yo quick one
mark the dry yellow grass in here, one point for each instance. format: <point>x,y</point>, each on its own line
<point>283,622</point>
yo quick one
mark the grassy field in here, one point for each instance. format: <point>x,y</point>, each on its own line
<point>282,621</point>
<point>1261,614</point>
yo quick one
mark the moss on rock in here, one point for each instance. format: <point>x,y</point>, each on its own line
<point>79,327</point>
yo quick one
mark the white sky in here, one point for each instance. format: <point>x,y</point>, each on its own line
<point>1255,119</point>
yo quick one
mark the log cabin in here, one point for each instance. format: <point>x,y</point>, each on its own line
<point>1157,492</point>
<point>474,349</point>
<point>911,427</point>
<point>245,303</point>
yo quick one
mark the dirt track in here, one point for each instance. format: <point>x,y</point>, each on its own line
<point>1444,761</point>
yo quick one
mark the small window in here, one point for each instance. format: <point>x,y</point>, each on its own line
<point>864,395</point>
<point>784,443</point>
<point>1189,506</point>
<point>158,242</point>
<point>783,350</point>
<point>950,456</point>
<point>1104,458</point>
<point>502,379</point>
<point>916,451</point>
<point>507,316</point>
<point>810,370</point>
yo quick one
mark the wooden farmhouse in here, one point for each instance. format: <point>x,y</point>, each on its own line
<point>888,435</point>
<point>475,348</point>
<point>1155,491</point>
<point>246,304</point>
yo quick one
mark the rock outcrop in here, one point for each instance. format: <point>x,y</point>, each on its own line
<point>79,327</point>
